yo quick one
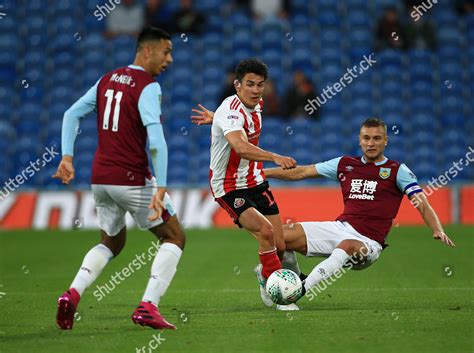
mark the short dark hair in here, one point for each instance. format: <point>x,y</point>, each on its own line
<point>374,122</point>
<point>151,33</point>
<point>251,66</point>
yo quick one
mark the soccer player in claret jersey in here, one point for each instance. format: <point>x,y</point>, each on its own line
<point>372,187</point>
<point>127,101</point>
<point>236,178</point>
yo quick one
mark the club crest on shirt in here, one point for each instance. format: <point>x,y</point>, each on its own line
<point>238,202</point>
<point>384,172</point>
<point>232,120</point>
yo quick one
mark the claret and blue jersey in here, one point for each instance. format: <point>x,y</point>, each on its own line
<point>372,192</point>
<point>128,105</point>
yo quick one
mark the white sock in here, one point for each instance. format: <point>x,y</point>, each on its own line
<point>162,272</point>
<point>290,262</point>
<point>326,268</point>
<point>92,266</point>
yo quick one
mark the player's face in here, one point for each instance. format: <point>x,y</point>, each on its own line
<point>159,56</point>
<point>251,89</point>
<point>372,141</point>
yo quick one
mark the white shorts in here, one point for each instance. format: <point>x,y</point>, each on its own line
<point>323,237</point>
<point>114,201</point>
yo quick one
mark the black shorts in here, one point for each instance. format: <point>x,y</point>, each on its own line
<point>259,197</point>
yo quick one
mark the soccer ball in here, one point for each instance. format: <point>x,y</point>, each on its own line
<point>284,287</point>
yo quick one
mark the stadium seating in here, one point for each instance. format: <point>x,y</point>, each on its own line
<point>57,52</point>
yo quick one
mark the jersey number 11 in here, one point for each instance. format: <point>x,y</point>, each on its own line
<point>109,94</point>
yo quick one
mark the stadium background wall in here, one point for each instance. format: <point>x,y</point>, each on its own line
<point>197,209</point>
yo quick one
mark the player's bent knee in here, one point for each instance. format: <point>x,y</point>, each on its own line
<point>353,248</point>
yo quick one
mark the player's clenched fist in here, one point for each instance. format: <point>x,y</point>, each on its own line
<point>284,162</point>
<point>65,170</point>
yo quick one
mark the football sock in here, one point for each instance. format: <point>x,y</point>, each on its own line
<point>92,266</point>
<point>290,262</point>
<point>270,262</point>
<point>163,270</point>
<point>75,297</point>
<point>326,268</point>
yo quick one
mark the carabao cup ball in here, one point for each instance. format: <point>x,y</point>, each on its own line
<point>284,287</point>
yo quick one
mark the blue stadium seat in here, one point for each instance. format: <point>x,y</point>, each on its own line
<point>387,89</point>
<point>451,70</point>
<point>272,57</point>
<point>63,77</point>
<point>391,73</point>
<point>212,57</point>
<point>8,23</point>
<point>329,20</point>
<point>361,38</point>
<point>96,59</point>
<point>212,74</point>
<point>424,169</point>
<point>214,23</point>
<point>300,18</point>
<point>361,106</point>
<point>422,105</point>
<point>63,23</point>
<point>390,57</point>
<point>421,121</point>
<point>242,39</point>
<point>303,156</point>
<point>449,35</point>
<point>446,18</point>
<point>240,19</point>
<point>452,105</point>
<point>452,135</point>
<point>421,88</point>
<point>425,137</point>
<point>331,54</point>
<point>358,19</point>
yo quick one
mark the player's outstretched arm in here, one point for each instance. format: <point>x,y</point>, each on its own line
<point>239,143</point>
<point>204,116</point>
<point>421,203</point>
<point>298,173</point>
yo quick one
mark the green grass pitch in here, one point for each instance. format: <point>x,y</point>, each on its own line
<point>417,298</point>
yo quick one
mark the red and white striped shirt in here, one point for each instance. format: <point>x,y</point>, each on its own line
<point>228,171</point>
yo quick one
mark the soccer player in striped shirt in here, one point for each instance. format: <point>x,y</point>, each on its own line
<point>373,187</point>
<point>236,178</point>
<point>127,101</point>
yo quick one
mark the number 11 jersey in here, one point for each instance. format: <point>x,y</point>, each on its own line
<point>126,101</point>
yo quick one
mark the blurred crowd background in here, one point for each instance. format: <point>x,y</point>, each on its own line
<point>422,84</point>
